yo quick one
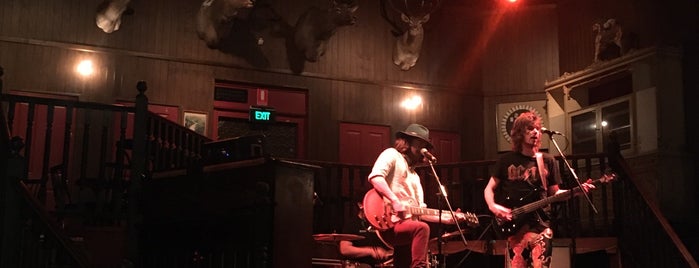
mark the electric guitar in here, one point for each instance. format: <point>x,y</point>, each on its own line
<point>520,212</point>
<point>381,216</point>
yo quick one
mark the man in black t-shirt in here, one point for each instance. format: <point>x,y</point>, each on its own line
<point>521,177</point>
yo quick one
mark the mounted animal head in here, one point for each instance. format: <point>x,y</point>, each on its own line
<point>315,27</point>
<point>409,42</point>
<point>608,40</point>
<point>109,12</point>
<point>214,19</point>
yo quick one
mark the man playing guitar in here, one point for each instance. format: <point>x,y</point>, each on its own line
<point>393,176</point>
<point>525,175</point>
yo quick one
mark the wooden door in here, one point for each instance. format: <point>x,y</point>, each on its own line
<point>362,143</point>
<point>447,146</point>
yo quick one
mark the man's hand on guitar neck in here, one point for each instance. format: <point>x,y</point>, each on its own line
<point>586,186</point>
<point>446,217</point>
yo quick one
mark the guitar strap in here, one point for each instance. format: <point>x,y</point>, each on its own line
<point>544,183</point>
<point>540,167</point>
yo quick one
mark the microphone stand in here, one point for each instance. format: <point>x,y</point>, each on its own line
<point>575,176</point>
<point>572,171</point>
<point>443,192</point>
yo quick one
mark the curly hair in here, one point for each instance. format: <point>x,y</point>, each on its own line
<point>519,129</point>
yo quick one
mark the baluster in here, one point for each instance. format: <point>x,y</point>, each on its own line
<point>159,142</point>
<point>47,154</point>
<point>11,116</point>
<point>28,139</point>
<point>67,138</point>
<point>85,146</point>
<point>171,147</point>
<point>138,170</point>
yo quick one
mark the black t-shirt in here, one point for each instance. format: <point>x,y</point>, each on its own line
<point>521,184</point>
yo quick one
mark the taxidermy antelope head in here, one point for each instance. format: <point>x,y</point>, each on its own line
<point>408,44</point>
<point>315,27</point>
<point>108,17</point>
<point>214,18</point>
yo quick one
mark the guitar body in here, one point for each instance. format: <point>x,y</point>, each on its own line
<point>377,212</point>
<point>507,228</point>
<point>381,216</point>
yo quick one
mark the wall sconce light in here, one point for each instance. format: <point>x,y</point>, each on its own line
<point>85,68</point>
<point>411,103</point>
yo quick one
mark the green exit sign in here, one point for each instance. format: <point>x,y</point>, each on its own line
<point>261,114</point>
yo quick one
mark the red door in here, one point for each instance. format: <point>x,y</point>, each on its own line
<point>361,143</point>
<point>447,146</point>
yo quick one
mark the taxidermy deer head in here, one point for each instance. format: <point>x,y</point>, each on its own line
<point>108,17</point>
<point>408,44</point>
<point>315,27</point>
<point>214,18</point>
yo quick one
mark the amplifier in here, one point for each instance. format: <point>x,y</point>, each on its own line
<point>233,149</point>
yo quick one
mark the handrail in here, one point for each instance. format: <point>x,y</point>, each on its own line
<point>65,103</point>
<point>38,210</point>
<point>658,215</point>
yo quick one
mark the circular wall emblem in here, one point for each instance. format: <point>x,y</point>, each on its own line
<point>508,119</point>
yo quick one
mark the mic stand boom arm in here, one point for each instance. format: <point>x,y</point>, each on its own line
<point>575,176</point>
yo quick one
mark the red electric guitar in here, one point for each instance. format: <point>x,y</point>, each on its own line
<point>380,213</point>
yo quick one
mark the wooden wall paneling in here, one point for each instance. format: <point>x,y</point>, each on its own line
<point>509,68</point>
<point>86,23</point>
<point>576,38</point>
<point>6,9</point>
<point>323,111</point>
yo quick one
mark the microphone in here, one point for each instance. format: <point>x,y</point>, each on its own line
<point>428,155</point>
<point>550,132</point>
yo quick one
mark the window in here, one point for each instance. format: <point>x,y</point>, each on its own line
<point>591,126</point>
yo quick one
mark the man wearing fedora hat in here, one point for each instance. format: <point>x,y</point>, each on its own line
<point>393,176</point>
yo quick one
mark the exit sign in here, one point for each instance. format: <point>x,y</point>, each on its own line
<point>262,114</point>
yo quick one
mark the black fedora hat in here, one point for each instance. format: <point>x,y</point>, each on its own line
<point>416,131</point>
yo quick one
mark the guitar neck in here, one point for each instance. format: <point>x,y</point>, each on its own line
<point>424,211</point>
<point>531,207</point>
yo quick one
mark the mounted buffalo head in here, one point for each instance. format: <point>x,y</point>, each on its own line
<point>315,27</point>
<point>108,17</point>
<point>215,17</point>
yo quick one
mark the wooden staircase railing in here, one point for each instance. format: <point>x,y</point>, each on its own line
<point>97,153</point>
<point>646,238</point>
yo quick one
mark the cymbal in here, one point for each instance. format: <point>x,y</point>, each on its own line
<point>454,233</point>
<point>336,237</point>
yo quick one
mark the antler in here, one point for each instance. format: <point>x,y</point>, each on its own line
<point>419,8</point>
